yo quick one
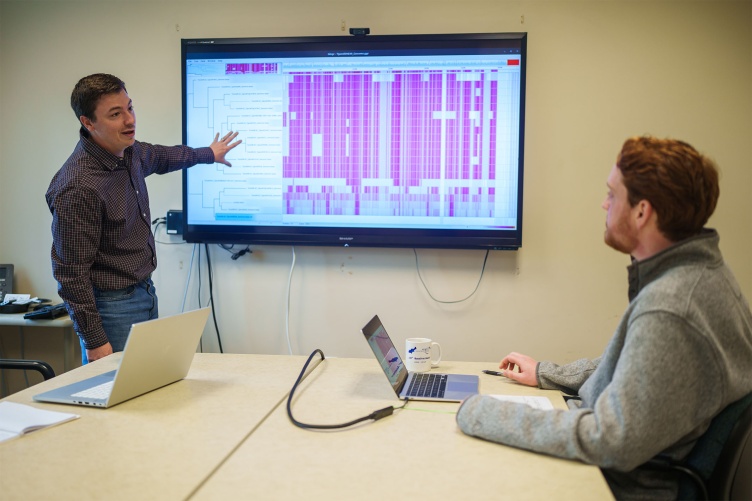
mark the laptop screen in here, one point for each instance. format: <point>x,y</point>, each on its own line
<point>385,352</point>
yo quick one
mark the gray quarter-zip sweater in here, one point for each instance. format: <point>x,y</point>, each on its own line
<point>681,353</point>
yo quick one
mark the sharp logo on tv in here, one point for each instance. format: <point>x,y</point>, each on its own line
<point>408,141</point>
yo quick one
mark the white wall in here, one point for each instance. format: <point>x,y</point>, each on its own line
<point>599,71</point>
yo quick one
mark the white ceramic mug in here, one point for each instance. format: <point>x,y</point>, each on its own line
<point>420,353</point>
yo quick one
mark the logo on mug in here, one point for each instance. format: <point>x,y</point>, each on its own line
<point>422,353</point>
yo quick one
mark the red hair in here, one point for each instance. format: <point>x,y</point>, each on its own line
<point>680,183</point>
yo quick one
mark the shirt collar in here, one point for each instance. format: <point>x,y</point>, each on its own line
<point>104,157</point>
<point>700,247</point>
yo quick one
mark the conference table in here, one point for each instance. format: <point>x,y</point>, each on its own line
<point>223,432</point>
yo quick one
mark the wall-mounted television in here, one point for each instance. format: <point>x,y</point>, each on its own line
<point>378,140</point>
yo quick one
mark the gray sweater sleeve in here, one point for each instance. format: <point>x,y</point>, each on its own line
<point>635,417</point>
<point>567,378</point>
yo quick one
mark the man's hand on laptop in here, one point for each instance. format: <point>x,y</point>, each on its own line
<point>97,353</point>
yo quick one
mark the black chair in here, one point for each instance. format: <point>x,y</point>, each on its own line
<point>28,365</point>
<point>712,469</point>
<point>732,476</point>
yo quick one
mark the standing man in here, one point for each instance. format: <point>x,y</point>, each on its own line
<point>681,353</point>
<point>103,251</point>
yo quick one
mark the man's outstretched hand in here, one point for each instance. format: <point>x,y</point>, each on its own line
<point>220,147</point>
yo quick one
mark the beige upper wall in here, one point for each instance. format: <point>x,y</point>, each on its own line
<point>599,71</point>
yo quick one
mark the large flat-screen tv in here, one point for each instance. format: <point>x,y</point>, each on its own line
<point>377,140</point>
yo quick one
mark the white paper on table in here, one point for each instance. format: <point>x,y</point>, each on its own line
<point>542,403</point>
<point>19,419</point>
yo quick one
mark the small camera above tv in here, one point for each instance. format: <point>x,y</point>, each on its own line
<point>378,141</point>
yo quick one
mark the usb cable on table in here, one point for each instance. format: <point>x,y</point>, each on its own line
<point>375,415</point>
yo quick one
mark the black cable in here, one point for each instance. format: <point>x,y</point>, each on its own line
<point>375,415</point>
<point>238,254</point>
<point>156,223</point>
<point>198,267</point>
<point>241,253</point>
<point>198,272</point>
<point>211,297</point>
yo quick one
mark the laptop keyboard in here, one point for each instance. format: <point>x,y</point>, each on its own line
<point>100,391</point>
<point>427,385</point>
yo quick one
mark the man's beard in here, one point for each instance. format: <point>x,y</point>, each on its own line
<point>623,241</point>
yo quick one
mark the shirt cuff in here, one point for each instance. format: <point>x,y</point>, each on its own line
<point>205,155</point>
<point>95,339</point>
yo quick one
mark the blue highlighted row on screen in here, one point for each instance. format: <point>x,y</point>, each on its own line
<point>233,217</point>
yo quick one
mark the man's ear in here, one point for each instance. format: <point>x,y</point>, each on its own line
<point>88,125</point>
<point>643,213</point>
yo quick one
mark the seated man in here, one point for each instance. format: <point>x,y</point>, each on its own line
<point>681,353</point>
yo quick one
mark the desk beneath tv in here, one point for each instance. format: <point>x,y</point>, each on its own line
<point>70,339</point>
<point>223,433</point>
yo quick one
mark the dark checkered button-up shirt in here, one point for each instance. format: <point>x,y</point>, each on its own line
<point>101,223</point>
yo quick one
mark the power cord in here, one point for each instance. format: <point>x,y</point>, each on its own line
<point>375,415</point>
<point>287,306</point>
<point>236,255</point>
<point>162,221</point>
<point>188,280</point>
<point>211,296</point>
<point>482,271</point>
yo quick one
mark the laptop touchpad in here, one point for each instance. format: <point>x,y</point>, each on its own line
<point>462,386</point>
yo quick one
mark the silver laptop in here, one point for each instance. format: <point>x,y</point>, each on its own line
<point>158,352</point>
<point>415,385</point>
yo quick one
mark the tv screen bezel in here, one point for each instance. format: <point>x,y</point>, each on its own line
<point>495,239</point>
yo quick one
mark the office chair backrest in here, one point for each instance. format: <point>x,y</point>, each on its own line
<point>730,478</point>
<point>717,454</point>
<point>742,486</point>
